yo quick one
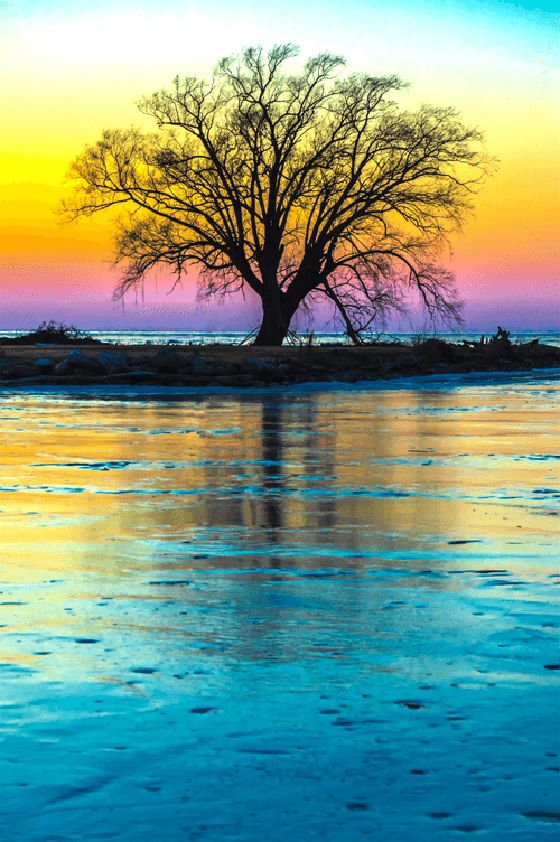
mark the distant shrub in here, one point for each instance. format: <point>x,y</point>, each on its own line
<point>58,331</point>
<point>51,333</point>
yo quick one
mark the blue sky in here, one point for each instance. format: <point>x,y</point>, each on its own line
<point>70,69</point>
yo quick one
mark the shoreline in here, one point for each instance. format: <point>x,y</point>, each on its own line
<point>246,367</point>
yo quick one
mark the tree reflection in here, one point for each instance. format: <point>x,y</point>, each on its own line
<point>273,474</point>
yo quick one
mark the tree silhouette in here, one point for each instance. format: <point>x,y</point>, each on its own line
<point>297,186</point>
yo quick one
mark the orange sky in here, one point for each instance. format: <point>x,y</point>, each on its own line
<point>67,74</point>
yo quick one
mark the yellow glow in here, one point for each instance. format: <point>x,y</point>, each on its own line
<point>69,74</point>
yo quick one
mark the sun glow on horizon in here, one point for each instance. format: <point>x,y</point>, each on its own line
<point>71,74</point>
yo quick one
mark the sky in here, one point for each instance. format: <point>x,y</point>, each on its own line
<point>70,69</point>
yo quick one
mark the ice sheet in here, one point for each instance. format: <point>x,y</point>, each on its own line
<point>323,614</point>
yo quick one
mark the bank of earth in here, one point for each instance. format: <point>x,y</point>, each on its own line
<point>249,366</point>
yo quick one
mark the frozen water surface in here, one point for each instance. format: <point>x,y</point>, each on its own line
<point>281,616</point>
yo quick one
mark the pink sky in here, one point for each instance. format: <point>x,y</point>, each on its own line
<point>495,61</point>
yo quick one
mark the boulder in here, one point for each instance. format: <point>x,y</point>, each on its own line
<point>167,360</point>
<point>224,370</point>
<point>44,364</point>
<point>14,371</point>
<point>78,360</point>
<point>225,379</point>
<point>64,367</point>
<point>78,357</point>
<point>196,380</point>
<point>112,363</point>
<point>256,365</point>
<point>260,369</point>
<point>140,360</point>
<point>193,360</point>
<point>242,379</point>
<point>194,364</point>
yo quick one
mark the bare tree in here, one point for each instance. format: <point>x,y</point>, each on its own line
<point>298,186</point>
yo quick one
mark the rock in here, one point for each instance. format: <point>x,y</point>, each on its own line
<point>63,367</point>
<point>224,370</point>
<point>204,371</point>
<point>397,370</point>
<point>78,357</point>
<point>194,360</point>
<point>421,369</point>
<point>112,363</point>
<point>14,371</point>
<point>243,379</point>
<point>459,368</point>
<point>196,366</point>
<point>43,363</point>
<point>140,360</point>
<point>78,360</point>
<point>351,376</point>
<point>225,379</point>
<point>249,362</point>
<point>167,360</point>
<point>259,368</point>
<point>139,376</point>
<point>196,380</point>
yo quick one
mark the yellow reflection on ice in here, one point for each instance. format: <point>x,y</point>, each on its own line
<point>93,485</point>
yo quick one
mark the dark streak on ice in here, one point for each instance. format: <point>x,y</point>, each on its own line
<point>543,815</point>
<point>170,582</point>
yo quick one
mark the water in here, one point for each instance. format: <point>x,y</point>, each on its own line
<point>192,337</point>
<point>293,614</point>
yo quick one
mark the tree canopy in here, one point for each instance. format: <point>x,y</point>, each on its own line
<point>296,186</point>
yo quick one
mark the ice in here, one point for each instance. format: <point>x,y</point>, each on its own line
<point>282,615</point>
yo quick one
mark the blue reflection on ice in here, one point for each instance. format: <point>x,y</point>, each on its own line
<point>316,614</point>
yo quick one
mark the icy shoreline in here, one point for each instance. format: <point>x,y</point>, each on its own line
<point>420,382</point>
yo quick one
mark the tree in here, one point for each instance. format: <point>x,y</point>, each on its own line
<point>295,186</point>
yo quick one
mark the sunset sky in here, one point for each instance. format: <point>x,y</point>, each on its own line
<point>70,68</point>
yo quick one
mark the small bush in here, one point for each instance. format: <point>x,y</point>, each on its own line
<point>51,333</point>
<point>60,331</point>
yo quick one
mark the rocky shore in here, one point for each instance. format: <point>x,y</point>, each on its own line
<point>247,366</point>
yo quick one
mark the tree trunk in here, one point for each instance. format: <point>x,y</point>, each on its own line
<point>277,314</point>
